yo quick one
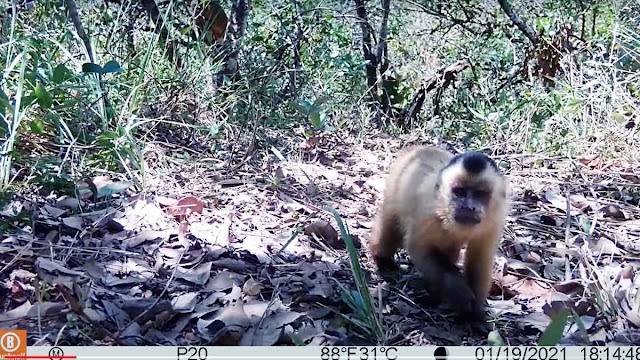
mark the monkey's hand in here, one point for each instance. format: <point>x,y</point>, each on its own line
<point>386,264</point>
<point>457,292</point>
<point>387,268</point>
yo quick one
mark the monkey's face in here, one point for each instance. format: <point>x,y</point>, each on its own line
<point>472,188</point>
<point>468,203</point>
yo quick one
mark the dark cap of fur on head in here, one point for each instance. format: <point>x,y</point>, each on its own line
<point>474,162</point>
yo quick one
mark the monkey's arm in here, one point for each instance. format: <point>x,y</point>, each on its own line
<point>385,240</point>
<point>435,259</point>
<point>446,283</point>
<point>478,267</point>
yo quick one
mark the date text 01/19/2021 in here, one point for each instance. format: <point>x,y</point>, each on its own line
<point>558,353</point>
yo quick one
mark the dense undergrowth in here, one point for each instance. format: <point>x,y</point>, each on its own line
<point>117,104</point>
<point>79,118</point>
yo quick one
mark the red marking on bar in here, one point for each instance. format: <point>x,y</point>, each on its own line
<point>40,357</point>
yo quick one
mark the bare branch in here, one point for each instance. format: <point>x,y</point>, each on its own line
<point>517,21</point>
<point>77,23</point>
<point>238,26</point>
<point>382,36</point>
<point>455,21</point>
<point>297,42</point>
<point>372,65</point>
<point>382,57</point>
<point>441,80</point>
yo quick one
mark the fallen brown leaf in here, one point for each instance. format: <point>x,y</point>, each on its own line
<point>213,233</point>
<point>613,211</point>
<point>268,331</point>
<point>604,246</point>
<point>49,210</point>
<point>198,275</point>
<point>164,201</point>
<point>185,303</point>
<point>185,206</point>
<point>231,321</point>
<point>252,287</point>
<point>224,280</point>
<point>11,317</point>
<point>323,230</point>
<point>46,309</point>
<point>74,222</point>
<point>530,287</point>
<point>143,236</point>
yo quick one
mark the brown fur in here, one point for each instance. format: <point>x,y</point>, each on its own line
<point>211,19</point>
<point>416,215</point>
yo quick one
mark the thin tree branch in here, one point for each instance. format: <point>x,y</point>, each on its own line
<point>518,22</point>
<point>382,57</point>
<point>77,23</point>
<point>297,42</point>
<point>238,26</point>
<point>441,80</point>
<point>372,65</point>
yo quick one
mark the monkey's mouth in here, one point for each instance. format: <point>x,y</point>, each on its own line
<point>467,217</point>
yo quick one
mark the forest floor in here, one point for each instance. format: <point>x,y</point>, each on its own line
<point>202,255</point>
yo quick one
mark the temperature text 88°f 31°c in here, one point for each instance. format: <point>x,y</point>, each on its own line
<point>358,352</point>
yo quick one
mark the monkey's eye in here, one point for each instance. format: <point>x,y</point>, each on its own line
<point>482,194</point>
<point>459,191</point>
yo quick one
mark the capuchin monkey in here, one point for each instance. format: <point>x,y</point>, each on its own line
<point>435,203</point>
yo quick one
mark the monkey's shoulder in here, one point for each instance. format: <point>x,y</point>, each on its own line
<point>420,163</point>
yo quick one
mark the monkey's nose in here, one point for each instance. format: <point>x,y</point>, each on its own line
<point>467,216</point>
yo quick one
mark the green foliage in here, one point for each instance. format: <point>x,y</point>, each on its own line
<point>360,301</point>
<point>315,112</point>
<point>553,333</point>
<point>105,110</point>
<point>110,67</point>
<point>496,103</point>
